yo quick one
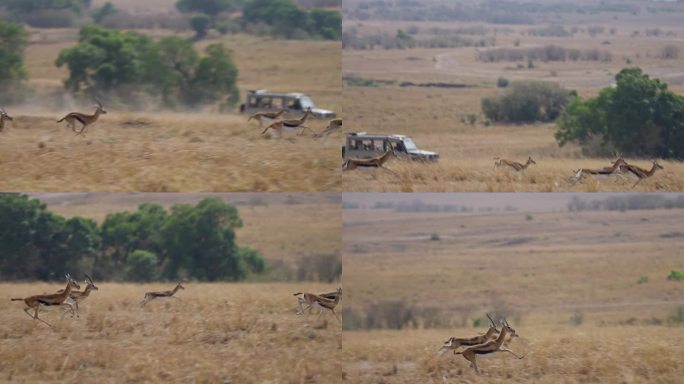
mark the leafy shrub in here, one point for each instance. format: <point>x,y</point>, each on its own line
<point>435,237</point>
<point>678,316</point>
<point>141,266</point>
<point>200,24</point>
<point>13,74</point>
<point>676,275</point>
<point>527,101</point>
<point>642,280</point>
<point>502,82</point>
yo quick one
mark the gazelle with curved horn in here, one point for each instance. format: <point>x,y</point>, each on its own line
<point>301,298</point>
<point>454,343</point>
<point>378,161</point>
<point>317,302</point>
<point>618,167</point>
<point>498,162</point>
<point>149,296</point>
<point>642,174</point>
<point>78,296</point>
<point>85,120</point>
<point>333,125</point>
<point>55,299</point>
<point>259,116</point>
<point>291,123</point>
<point>4,117</point>
<point>491,346</point>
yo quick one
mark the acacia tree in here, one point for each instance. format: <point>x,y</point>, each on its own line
<point>127,64</point>
<point>639,116</point>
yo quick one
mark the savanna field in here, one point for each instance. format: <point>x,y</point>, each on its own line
<point>151,150</point>
<point>587,292</point>
<point>404,91</point>
<point>214,333</point>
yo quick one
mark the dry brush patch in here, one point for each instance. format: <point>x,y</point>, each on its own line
<point>214,333</point>
<point>163,153</point>
<point>467,152</point>
<point>553,354</point>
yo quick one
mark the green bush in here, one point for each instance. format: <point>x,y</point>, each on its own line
<point>502,82</point>
<point>642,280</point>
<point>676,275</point>
<point>435,237</point>
<point>13,74</point>
<point>200,24</point>
<point>639,116</point>
<point>527,101</point>
<point>141,266</point>
<point>128,65</point>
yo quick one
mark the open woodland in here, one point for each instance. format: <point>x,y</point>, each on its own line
<point>164,151</point>
<point>587,292</point>
<point>386,91</point>
<point>216,332</point>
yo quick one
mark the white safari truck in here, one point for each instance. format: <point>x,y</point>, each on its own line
<point>296,103</point>
<point>362,145</point>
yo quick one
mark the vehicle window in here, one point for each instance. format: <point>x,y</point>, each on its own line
<point>367,145</point>
<point>410,145</point>
<point>354,144</point>
<point>252,101</point>
<point>265,102</point>
<point>305,103</point>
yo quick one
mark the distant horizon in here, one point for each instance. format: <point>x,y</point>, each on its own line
<point>521,202</point>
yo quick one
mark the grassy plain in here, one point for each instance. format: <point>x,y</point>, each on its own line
<point>215,333</point>
<point>587,292</point>
<point>433,116</point>
<point>163,151</point>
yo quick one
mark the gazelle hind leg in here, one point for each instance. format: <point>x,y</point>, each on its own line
<point>510,351</point>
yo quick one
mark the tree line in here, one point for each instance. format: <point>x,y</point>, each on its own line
<point>150,243</point>
<point>280,18</point>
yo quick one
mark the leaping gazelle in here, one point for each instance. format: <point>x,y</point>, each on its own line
<point>318,302</point>
<point>149,296</point>
<point>454,343</point>
<point>301,298</point>
<point>491,346</point>
<point>4,116</point>
<point>85,120</point>
<point>333,125</point>
<point>618,166</point>
<point>513,164</point>
<point>55,299</point>
<point>642,174</point>
<point>291,123</point>
<point>259,116</point>
<point>377,161</point>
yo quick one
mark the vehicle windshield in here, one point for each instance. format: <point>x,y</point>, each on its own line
<point>410,145</point>
<point>306,103</point>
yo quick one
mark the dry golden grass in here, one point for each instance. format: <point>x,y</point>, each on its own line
<point>583,354</point>
<point>216,333</point>
<point>166,152</point>
<point>432,116</point>
<point>543,269</point>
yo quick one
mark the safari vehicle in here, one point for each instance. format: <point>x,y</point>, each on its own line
<point>297,103</point>
<point>362,145</point>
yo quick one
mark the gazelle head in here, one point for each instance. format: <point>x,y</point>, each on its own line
<point>451,343</point>
<point>656,165</point>
<point>180,285</point>
<point>530,160</point>
<point>508,328</point>
<point>73,283</point>
<point>89,283</point>
<point>620,162</point>
<point>99,106</point>
<point>5,115</point>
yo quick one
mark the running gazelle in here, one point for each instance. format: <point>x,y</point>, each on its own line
<point>491,346</point>
<point>55,299</point>
<point>454,343</point>
<point>327,302</point>
<point>149,296</point>
<point>84,119</point>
